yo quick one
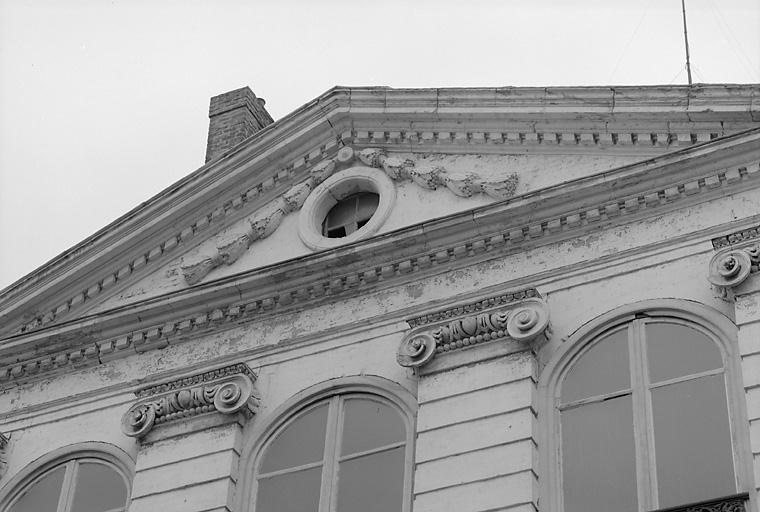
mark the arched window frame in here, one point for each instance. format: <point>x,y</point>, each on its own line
<point>385,390</point>
<point>695,315</point>
<point>100,452</point>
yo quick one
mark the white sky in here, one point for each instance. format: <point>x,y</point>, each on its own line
<point>105,103</point>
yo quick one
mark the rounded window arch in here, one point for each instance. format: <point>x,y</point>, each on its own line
<point>88,477</point>
<point>645,407</point>
<point>347,447</point>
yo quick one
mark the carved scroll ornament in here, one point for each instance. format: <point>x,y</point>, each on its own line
<point>526,321</point>
<point>732,266</point>
<point>264,221</point>
<point>227,391</point>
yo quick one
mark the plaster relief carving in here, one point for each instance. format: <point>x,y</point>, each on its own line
<point>264,221</point>
<point>525,320</point>
<point>732,266</point>
<point>226,390</point>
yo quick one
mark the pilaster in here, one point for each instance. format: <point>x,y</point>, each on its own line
<point>190,433</point>
<point>476,444</point>
<point>734,270</point>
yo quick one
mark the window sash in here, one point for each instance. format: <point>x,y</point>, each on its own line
<point>643,418</point>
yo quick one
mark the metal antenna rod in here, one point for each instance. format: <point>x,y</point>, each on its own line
<point>686,40</point>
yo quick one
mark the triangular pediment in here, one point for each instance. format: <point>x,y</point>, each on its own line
<point>446,152</point>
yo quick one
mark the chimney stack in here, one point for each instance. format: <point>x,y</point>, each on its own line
<point>233,117</point>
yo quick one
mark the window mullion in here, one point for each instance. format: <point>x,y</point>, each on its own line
<point>334,422</point>
<point>68,486</point>
<point>642,418</point>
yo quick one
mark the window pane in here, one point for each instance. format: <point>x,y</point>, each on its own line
<point>98,488</point>
<point>692,441</point>
<point>301,442</point>
<point>291,492</point>
<point>43,495</point>
<point>372,483</point>
<point>602,369</point>
<point>599,462</point>
<point>676,350</point>
<point>369,424</point>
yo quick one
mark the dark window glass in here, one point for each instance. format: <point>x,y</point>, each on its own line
<point>301,442</point>
<point>604,368</point>
<point>370,424</point>
<point>292,492</point>
<point>98,488</point>
<point>676,350</point>
<point>350,214</point>
<point>43,495</point>
<point>599,457</point>
<point>372,483</point>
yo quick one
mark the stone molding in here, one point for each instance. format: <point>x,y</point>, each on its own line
<point>521,316</point>
<point>732,265</point>
<point>227,390</point>
<point>507,239</point>
<point>267,219</point>
<point>3,454</point>
<point>477,140</point>
<point>736,237</point>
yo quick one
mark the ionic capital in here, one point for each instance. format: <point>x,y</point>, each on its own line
<point>731,266</point>
<point>522,316</point>
<point>225,390</point>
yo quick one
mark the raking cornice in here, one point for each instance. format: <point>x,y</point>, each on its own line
<point>504,119</point>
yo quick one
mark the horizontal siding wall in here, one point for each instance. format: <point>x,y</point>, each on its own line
<point>191,473</point>
<point>476,448</point>
<point>748,321</point>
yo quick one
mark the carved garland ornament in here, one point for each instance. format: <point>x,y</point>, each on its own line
<point>264,221</point>
<point>226,390</point>
<point>732,266</point>
<point>526,321</point>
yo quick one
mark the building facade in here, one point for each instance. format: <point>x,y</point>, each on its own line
<point>512,299</point>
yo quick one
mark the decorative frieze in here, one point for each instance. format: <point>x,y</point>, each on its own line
<point>525,319</point>
<point>225,390</point>
<point>736,237</point>
<point>732,265</point>
<point>264,221</point>
<point>735,503</point>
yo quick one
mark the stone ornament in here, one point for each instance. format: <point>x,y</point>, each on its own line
<point>524,321</point>
<point>3,448</point>
<point>226,390</point>
<point>732,266</point>
<point>265,220</point>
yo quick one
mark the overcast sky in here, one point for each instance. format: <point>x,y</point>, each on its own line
<point>105,103</point>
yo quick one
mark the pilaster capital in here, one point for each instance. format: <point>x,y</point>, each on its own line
<point>737,258</point>
<point>227,390</point>
<point>522,316</point>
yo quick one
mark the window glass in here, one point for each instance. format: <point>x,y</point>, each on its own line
<point>676,350</point>
<point>370,424</point>
<point>362,445</point>
<point>350,214</point>
<point>692,441</point>
<point>631,437</point>
<point>599,457</point>
<point>43,495</point>
<point>292,492</point>
<point>98,488</point>
<point>602,369</point>
<point>301,442</point>
<point>372,483</point>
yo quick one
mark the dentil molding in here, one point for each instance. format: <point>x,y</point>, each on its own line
<point>225,390</point>
<point>521,316</point>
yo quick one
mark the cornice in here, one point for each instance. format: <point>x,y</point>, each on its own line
<point>554,214</point>
<point>282,152</point>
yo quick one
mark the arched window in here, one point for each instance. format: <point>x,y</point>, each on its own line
<point>643,418</point>
<point>81,481</point>
<point>342,453</point>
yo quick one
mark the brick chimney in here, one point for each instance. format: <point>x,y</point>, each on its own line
<point>233,117</point>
